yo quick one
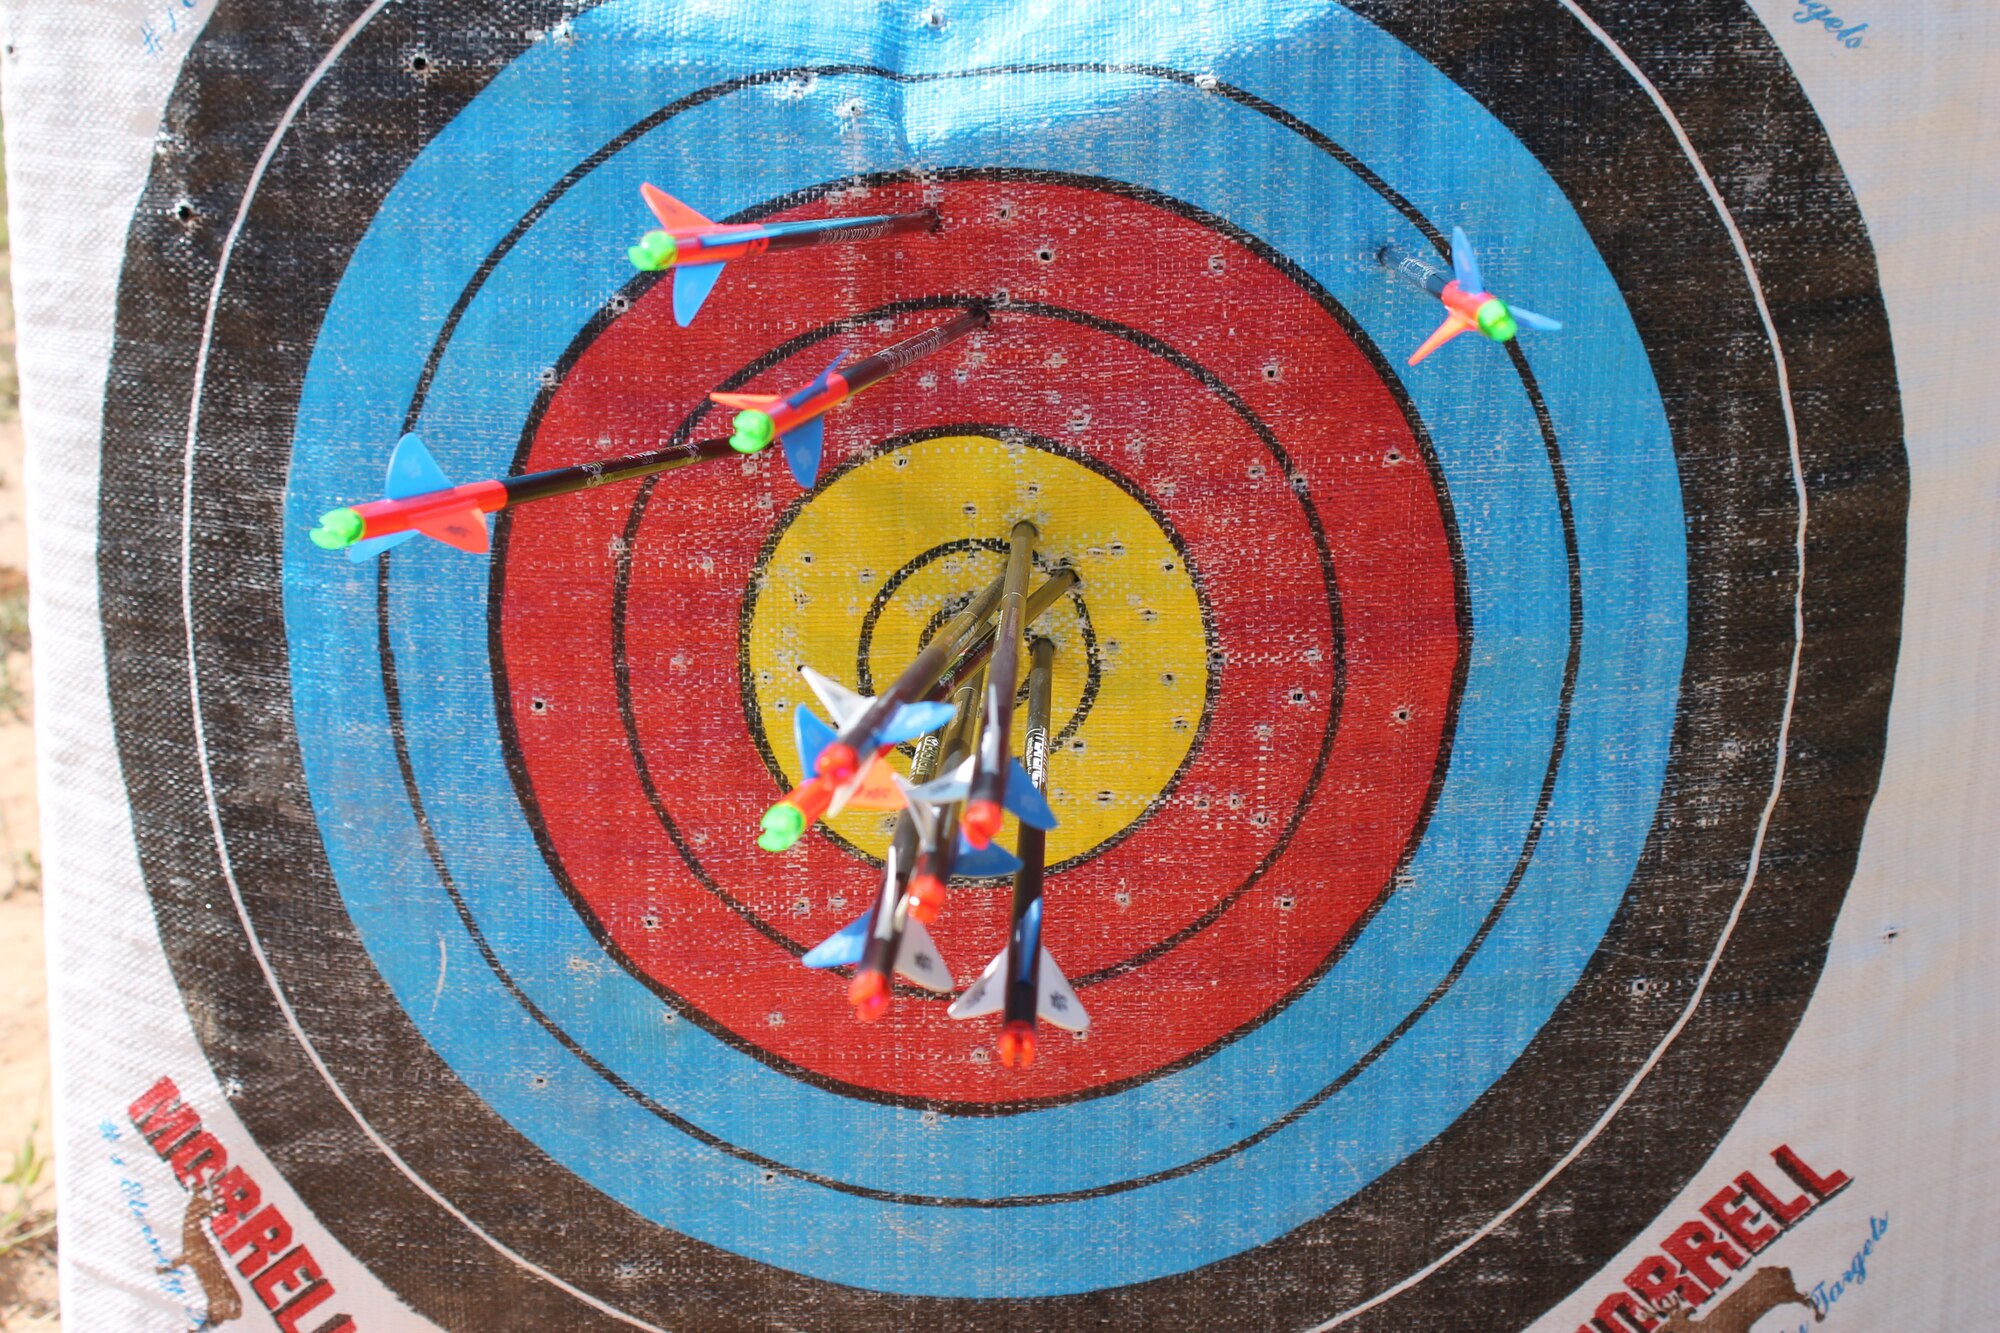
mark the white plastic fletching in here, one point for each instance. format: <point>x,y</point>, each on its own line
<point>843,703</point>
<point>917,960</point>
<point>1055,999</point>
<point>986,995</point>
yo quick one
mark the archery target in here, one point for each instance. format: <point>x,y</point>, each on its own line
<point>1396,708</point>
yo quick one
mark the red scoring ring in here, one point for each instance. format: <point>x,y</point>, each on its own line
<point>1202,468</point>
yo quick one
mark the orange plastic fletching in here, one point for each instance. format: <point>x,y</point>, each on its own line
<point>877,789</point>
<point>672,213</point>
<point>463,528</point>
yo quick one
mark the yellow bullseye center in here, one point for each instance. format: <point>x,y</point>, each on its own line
<point>933,517</point>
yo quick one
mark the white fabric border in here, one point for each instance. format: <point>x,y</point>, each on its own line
<point>1894,1074</point>
<point>84,99</point>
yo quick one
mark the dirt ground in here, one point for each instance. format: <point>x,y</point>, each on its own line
<point>27,1179</point>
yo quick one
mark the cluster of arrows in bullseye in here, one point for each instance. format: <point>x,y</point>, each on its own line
<point>956,700</point>
<point>963,781</point>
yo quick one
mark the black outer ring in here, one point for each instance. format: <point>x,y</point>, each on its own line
<point>1545,77</point>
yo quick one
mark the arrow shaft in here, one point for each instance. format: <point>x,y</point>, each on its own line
<point>959,682</point>
<point>587,476</point>
<point>989,776</point>
<point>1024,942</point>
<point>924,670</point>
<point>878,366</point>
<point>721,244</point>
<point>946,748</point>
<point>925,764</point>
<point>787,413</point>
<point>1417,272</point>
<point>887,919</point>
<point>981,649</point>
<point>381,518</point>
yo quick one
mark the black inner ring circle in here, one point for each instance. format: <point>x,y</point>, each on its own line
<point>1093,665</point>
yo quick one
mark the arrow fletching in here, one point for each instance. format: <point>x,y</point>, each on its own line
<point>1464,263</point>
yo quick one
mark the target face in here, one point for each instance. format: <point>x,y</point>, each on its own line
<point>1425,739</point>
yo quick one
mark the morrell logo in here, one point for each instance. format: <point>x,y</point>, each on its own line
<point>224,1222</point>
<point>1702,1256</point>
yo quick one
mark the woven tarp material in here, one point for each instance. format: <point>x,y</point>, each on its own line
<point>1525,827</point>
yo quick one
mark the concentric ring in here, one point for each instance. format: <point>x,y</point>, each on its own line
<point>261,840</point>
<point>1391,969</point>
<point>827,1042</point>
<point>895,500</point>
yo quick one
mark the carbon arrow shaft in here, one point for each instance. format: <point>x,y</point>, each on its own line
<point>975,656</point>
<point>837,231</point>
<point>989,776</point>
<point>880,365</point>
<point>932,869</point>
<point>587,476</point>
<point>839,759</point>
<point>890,919</point>
<point>1024,945</point>
<point>1425,277</point>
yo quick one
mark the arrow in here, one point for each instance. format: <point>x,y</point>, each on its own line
<point>1023,982</point>
<point>1469,307</point>
<point>987,789</point>
<point>419,498</point>
<point>697,249</point>
<point>794,419</point>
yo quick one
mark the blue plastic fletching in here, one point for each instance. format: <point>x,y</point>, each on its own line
<point>412,471</point>
<point>1533,320</point>
<point>911,721</point>
<point>1027,804</point>
<point>1465,264</point>
<point>811,736</point>
<point>819,380</point>
<point>981,862</point>
<point>374,546</point>
<point>692,284</point>
<point>803,445</point>
<point>843,948</point>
